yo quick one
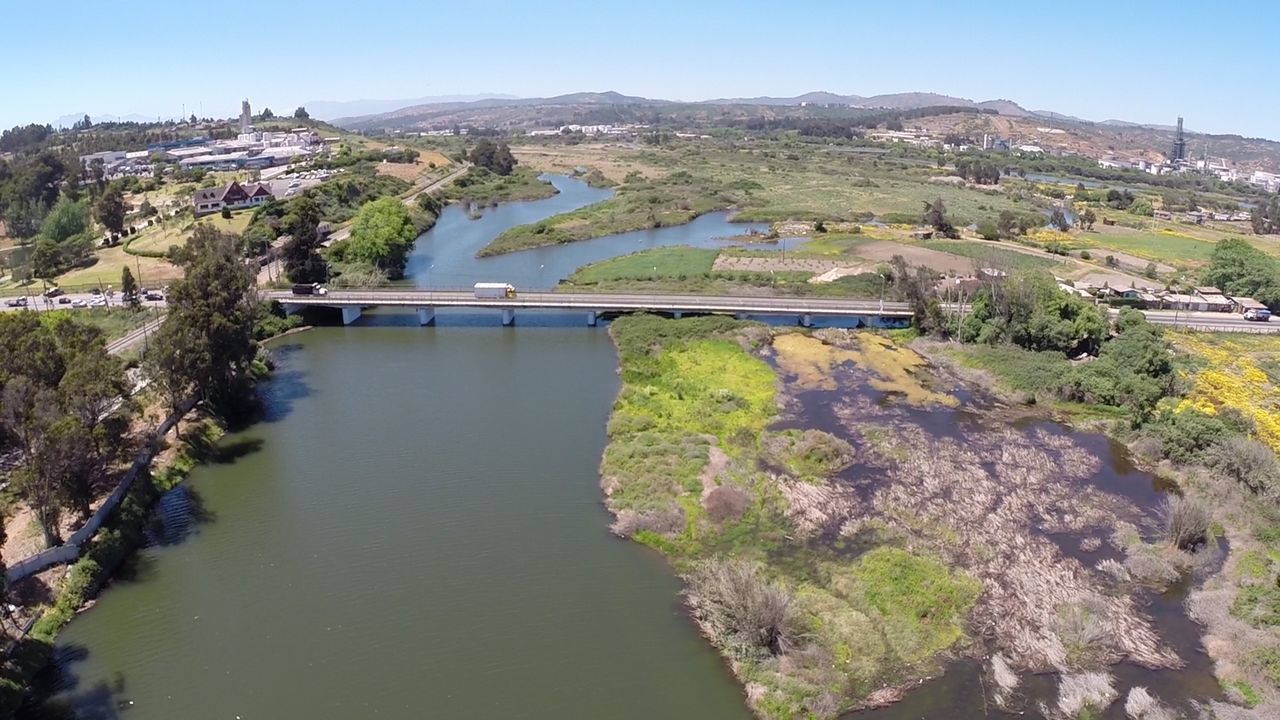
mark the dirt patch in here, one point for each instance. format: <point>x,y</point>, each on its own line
<point>884,250</point>
<point>737,263</point>
<point>613,161</point>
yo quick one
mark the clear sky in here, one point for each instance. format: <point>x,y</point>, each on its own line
<point>1213,63</point>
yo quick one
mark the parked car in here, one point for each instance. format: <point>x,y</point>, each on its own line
<point>1257,314</point>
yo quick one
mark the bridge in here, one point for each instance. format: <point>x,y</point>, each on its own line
<point>593,305</point>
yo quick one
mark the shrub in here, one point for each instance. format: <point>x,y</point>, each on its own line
<point>1186,522</point>
<point>1086,255</point>
<point>741,610</point>
<point>1140,705</point>
<point>1084,692</point>
<point>1246,461</point>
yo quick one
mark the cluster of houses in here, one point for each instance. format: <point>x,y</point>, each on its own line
<point>1199,299</point>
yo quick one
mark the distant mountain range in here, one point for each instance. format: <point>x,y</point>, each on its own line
<point>332,109</point>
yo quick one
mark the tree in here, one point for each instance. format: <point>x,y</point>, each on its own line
<point>65,220</point>
<point>267,114</point>
<point>1087,219</point>
<point>112,209</point>
<point>300,253</point>
<point>97,173</point>
<point>1238,268</point>
<point>193,120</point>
<point>206,341</point>
<point>1141,207</point>
<point>301,114</point>
<point>46,261</point>
<point>22,219</point>
<point>1059,220</point>
<point>381,236</point>
<point>495,157</point>
<point>935,216</point>
<point>129,288</point>
<point>28,412</point>
<point>1029,310</point>
<point>988,230</point>
<point>1265,217</point>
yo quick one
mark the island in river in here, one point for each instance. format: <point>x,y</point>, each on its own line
<point>848,518</point>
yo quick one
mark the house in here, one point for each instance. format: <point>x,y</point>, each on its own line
<point>1213,298</point>
<point>1241,304</point>
<point>1182,301</point>
<point>1140,298</point>
<point>230,197</point>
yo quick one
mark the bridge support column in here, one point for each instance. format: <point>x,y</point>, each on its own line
<point>508,316</point>
<point>739,316</point>
<point>426,316</point>
<point>676,315</point>
<point>292,308</point>
<point>806,320</point>
<point>350,314</point>
<point>591,318</point>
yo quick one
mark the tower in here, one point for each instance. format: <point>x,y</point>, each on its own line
<point>246,117</point>
<point>1179,145</point>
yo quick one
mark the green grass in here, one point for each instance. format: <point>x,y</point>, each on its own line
<point>1016,369</point>
<point>684,270</point>
<point>1163,247</point>
<point>832,244</point>
<point>481,187</point>
<point>114,322</point>
<point>992,253</point>
<point>648,265</point>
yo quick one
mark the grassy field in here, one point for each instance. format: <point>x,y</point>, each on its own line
<point>683,270</point>
<point>111,261</point>
<point>994,255</point>
<point>114,321</point>
<point>1170,247</point>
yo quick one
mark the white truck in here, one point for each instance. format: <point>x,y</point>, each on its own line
<point>494,291</point>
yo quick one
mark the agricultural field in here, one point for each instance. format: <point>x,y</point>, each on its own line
<point>1165,246</point>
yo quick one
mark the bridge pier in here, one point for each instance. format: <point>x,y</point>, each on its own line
<point>508,316</point>
<point>739,316</point>
<point>292,308</point>
<point>350,314</point>
<point>591,318</point>
<point>676,315</point>
<point>806,320</point>
<point>426,316</point>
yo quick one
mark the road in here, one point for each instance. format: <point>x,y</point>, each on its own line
<point>599,302</point>
<point>41,303</point>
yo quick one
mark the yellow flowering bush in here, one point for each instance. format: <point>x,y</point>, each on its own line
<point>1231,378</point>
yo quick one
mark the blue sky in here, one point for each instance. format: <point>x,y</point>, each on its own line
<point>1142,61</point>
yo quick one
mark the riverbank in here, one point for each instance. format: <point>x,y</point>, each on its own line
<point>874,516</point>
<point>481,188</point>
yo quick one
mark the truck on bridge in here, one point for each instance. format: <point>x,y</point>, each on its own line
<point>494,291</point>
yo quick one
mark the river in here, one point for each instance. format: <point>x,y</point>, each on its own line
<point>415,530</point>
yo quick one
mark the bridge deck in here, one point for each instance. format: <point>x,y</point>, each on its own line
<point>598,302</point>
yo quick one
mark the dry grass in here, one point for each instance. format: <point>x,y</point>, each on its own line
<point>1140,705</point>
<point>1004,680</point>
<point>1078,693</point>
<point>613,161</point>
<point>741,610</point>
<point>1186,522</point>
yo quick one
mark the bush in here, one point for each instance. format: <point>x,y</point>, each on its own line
<point>1246,461</point>
<point>1086,255</point>
<point>741,610</point>
<point>1186,522</point>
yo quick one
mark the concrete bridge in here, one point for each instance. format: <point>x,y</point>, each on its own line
<point>593,305</point>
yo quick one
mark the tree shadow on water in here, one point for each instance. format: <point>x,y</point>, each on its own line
<point>177,516</point>
<point>58,693</point>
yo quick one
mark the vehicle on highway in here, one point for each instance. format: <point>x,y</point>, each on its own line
<point>310,289</point>
<point>64,300</point>
<point>54,292</point>
<point>152,295</point>
<point>493,291</point>
<point>17,302</point>
<point>1257,314</point>
<point>98,302</point>
<point>95,291</point>
<point>79,303</point>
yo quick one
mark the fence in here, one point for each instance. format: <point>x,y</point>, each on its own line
<point>70,549</point>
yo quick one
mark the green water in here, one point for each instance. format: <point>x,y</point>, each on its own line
<point>415,531</point>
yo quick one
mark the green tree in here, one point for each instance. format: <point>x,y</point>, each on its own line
<point>267,114</point>
<point>1141,207</point>
<point>988,230</point>
<point>29,413</point>
<point>300,253</point>
<point>129,288</point>
<point>206,340</point>
<point>112,209</point>
<point>382,235</point>
<point>47,261</point>
<point>301,114</point>
<point>1029,310</point>
<point>1238,268</point>
<point>66,220</point>
<point>1088,218</point>
<point>495,157</point>
<point>1059,221</point>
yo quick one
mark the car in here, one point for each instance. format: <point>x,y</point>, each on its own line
<point>98,302</point>
<point>79,303</point>
<point>64,300</point>
<point>54,292</point>
<point>152,295</point>
<point>95,291</point>
<point>1257,314</point>
<point>17,302</point>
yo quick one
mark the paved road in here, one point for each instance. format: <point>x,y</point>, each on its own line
<point>600,302</point>
<point>1209,321</point>
<point>41,303</point>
